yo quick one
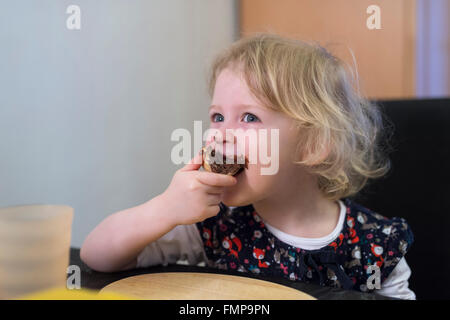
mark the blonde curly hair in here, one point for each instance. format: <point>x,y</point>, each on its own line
<point>340,130</point>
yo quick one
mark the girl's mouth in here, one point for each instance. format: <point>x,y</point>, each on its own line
<point>232,166</point>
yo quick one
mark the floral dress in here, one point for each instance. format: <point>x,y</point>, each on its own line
<point>238,240</point>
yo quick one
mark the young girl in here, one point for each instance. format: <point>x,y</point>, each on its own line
<point>299,223</point>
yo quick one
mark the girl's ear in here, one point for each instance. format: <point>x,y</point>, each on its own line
<point>319,155</point>
<point>323,154</point>
<point>313,153</point>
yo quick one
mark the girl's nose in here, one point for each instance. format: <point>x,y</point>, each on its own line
<point>226,136</point>
<point>221,135</point>
<point>225,141</point>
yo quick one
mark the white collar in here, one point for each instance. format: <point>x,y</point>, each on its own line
<point>310,243</point>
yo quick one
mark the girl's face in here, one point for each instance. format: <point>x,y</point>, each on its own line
<point>234,107</point>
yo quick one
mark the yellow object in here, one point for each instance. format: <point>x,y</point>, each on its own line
<point>74,294</point>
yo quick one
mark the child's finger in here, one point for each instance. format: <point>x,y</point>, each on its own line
<point>213,199</point>
<point>214,190</point>
<point>211,142</point>
<point>216,179</point>
<point>195,163</point>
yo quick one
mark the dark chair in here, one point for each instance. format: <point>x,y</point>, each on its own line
<point>417,188</point>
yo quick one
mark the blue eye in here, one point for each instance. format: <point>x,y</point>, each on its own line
<point>250,118</point>
<point>217,117</point>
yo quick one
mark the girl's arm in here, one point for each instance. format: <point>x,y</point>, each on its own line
<point>397,285</point>
<point>183,244</point>
<point>192,196</point>
<point>116,242</point>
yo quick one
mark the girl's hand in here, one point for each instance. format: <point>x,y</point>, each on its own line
<point>194,195</point>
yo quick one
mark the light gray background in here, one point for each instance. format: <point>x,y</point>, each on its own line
<point>86,115</point>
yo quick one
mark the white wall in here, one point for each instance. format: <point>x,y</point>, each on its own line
<point>86,115</point>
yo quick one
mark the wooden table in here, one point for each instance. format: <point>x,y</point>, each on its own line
<point>91,279</point>
<point>202,286</point>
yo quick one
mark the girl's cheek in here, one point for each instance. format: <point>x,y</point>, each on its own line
<point>252,149</point>
<point>260,184</point>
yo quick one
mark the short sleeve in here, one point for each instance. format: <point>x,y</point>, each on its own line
<point>397,285</point>
<point>181,243</point>
<point>398,240</point>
